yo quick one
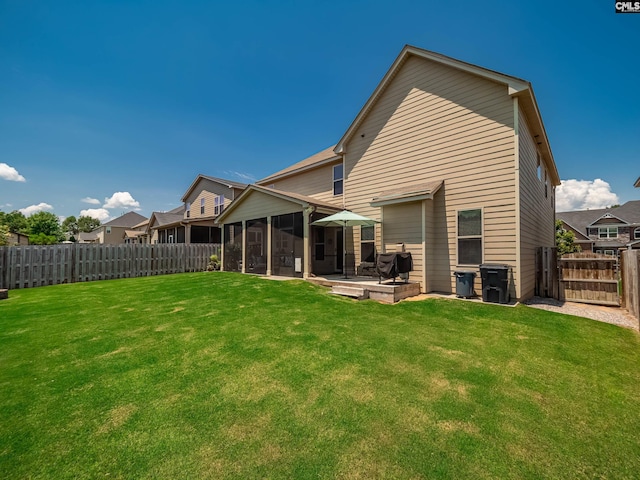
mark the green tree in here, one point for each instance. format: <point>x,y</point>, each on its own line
<point>4,234</point>
<point>87,224</point>
<point>70,226</point>
<point>42,239</point>
<point>46,223</point>
<point>16,221</point>
<point>565,240</point>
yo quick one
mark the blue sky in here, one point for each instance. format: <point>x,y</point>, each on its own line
<point>119,105</point>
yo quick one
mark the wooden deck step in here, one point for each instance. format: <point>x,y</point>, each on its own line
<point>355,292</point>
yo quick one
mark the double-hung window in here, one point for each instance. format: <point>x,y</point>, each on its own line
<point>367,244</point>
<point>470,237</point>
<point>187,209</point>
<point>218,205</point>
<point>636,234</point>
<point>338,180</point>
<point>607,232</point>
<point>202,206</point>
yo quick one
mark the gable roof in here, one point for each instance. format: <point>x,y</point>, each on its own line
<point>637,184</point>
<point>321,158</point>
<point>581,219</point>
<point>221,181</point>
<point>127,220</point>
<point>303,200</point>
<point>162,219</point>
<point>517,87</point>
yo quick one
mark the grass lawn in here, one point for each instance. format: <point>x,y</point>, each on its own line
<point>222,375</point>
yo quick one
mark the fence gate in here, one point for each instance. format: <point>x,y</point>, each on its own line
<point>589,278</point>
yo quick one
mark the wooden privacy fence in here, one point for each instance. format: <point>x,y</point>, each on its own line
<point>630,274</point>
<point>589,278</point>
<point>39,265</point>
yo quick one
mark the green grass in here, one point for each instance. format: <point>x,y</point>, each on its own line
<point>221,375</point>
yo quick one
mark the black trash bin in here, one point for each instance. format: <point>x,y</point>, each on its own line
<point>495,283</point>
<point>464,283</point>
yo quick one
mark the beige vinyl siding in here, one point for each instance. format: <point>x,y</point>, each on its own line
<point>435,122</point>
<point>260,205</point>
<point>209,191</point>
<point>316,183</point>
<point>537,216</point>
<point>403,224</point>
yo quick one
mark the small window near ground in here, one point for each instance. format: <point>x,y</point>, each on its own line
<point>338,180</point>
<point>470,237</point>
<point>367,244</point>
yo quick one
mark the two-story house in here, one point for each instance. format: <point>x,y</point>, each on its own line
<point>114,231</point>
<point>194,220</point>
<point>605,230</point>
<point>452,159</point>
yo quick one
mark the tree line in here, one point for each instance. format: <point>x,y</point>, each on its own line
<point>44,228</point>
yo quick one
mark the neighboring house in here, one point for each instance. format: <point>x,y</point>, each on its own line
<point>16,239</point>
<point>138,233</point>
<point>605,230</point>
<point>112,232</point>
<point>452,159</point>
<point>194,221</point>
<point>167,227</point>
<point>637,184</point>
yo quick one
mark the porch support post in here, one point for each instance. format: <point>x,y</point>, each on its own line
<point>306,256</point>
<point>244,246</point>
<point>269,249</point>
<point>187,233</point>
<point>222,248</point>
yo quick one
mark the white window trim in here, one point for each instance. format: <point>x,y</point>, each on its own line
<point>218,205</point>
<point>202,204</point>
<point>608,235</point>
<point>636,233</point>
<point>458,237</point>
<point>335,180</point>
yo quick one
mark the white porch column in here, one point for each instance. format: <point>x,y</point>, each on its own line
<point>306,249</point>
<point>269,249</point>
<point>244,246</point>
<point>187,233</point>
<point>222,248</point>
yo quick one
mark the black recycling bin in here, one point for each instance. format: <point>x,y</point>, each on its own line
<point>464,283</point>
<point>495,283</point>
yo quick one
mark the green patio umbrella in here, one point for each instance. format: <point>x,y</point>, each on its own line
<point>344,219</point>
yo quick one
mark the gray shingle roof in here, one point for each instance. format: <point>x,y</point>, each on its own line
<point>580,219</point>
<point>128,220</point>
<point>309,162</point>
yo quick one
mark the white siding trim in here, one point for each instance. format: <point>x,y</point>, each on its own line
<point>516,153</point>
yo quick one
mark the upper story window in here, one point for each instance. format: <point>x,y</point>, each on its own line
<point>187,209</point>
<point>636,234</point>
<point>607,232</point>
<point>218,205</point>
<point>338,180</point>
<point>108,229</point>
<point>202,206</point>
<point>470,237</point>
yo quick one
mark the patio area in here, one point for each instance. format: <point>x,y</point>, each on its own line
<point>388,291</point>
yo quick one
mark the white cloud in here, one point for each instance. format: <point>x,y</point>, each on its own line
<point>101,214</point>
<point>584,195</point>
<point>30,210</point>
<point>121,200</point>
<point>92,201</point>
<point>7,172</point>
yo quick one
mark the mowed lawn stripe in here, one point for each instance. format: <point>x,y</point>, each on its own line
<point>222,375</point>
